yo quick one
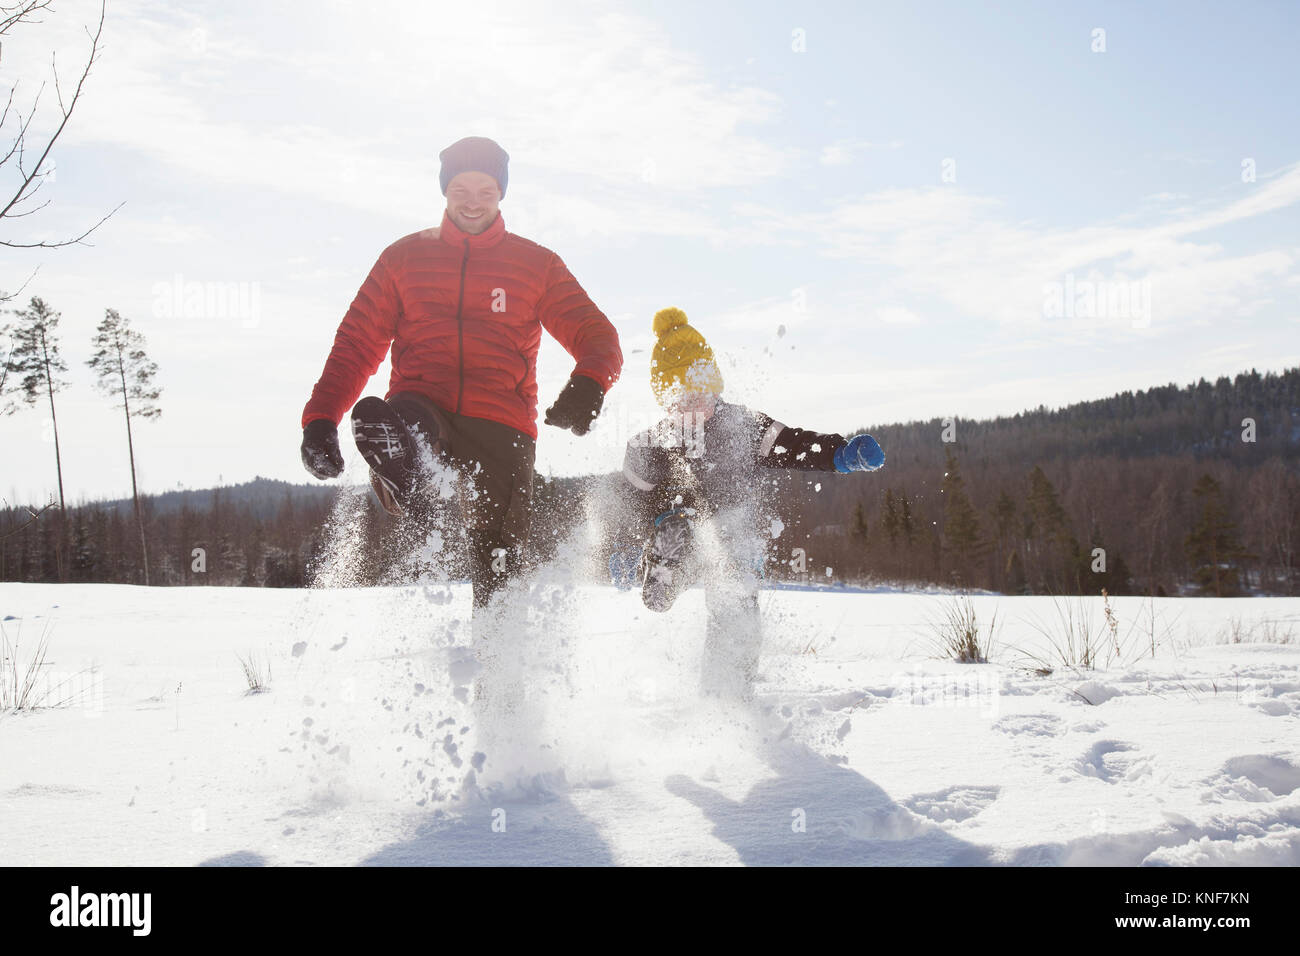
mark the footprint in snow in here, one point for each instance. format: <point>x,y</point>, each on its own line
<point>1034,725</point>
<point>954,804</point>
<point>1112,761</point>
<point>885,823</point>
<point>1273,708</point>
<point>1275,698</point>
<point>1278,776</point>
<point>1087,726</point>
<point>847,700</point>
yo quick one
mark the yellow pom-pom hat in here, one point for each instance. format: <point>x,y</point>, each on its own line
<point>682,361</point>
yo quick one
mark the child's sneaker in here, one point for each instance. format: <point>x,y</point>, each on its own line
<point>666,566</point>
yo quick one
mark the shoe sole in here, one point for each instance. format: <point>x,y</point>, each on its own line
<point>382,438</point>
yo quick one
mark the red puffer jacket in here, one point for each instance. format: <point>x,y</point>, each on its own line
<point>464,316</point>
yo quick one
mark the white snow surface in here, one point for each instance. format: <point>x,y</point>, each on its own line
<point>863,746</point>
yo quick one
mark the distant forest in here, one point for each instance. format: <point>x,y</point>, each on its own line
<point>1173,490</point>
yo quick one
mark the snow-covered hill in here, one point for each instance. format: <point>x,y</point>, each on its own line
<point>864,748</point>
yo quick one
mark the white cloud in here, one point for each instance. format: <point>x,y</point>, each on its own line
<point>843,152</point>
<point>1185,158</point>
<point>554,92</point>
<point>897,315</point>
<point>126,227</point>
<point>766,320</point>
<point>957,250</point>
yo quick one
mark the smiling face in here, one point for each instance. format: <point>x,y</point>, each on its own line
<point>472,200</point>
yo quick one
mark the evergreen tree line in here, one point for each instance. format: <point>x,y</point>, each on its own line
<point>1160,492</point>
<point>215,539</point>
<point>1171,490</point>
<point>1166,525</point>
<point>261,533</point>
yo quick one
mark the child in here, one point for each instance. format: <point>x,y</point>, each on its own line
<point>697,472</point>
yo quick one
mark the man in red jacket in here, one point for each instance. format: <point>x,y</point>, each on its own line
<point>462,306</point>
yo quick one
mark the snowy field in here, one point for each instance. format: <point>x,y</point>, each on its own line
<point>863,748</point>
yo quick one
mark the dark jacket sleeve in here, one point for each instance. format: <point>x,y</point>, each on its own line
<point>646,473</point>
<point>782,446</point>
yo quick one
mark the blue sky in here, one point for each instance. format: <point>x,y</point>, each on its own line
<point>865,229</point>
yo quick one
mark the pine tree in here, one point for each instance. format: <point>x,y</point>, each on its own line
<point>1004,520</point>
<point>123,370</point>
<point>1212,546</point>
<point>910,530</point>
<point>1016,583</point>
<point>82,551</point>
<point>961,527</point>
<point>34,366</point>
<point>1045,507</point>
<point>7,335</point>
<point>1048,528</point>
<point>890,521</point>
<point>860,527</point>
<point>232,562</point>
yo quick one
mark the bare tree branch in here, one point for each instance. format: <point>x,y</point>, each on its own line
<point>31,179</point>
<point>7,296</point>
<point>12,14</point>
<point>9,102</point>
<point>17,145</point>
<point>64,242</point>
<point>34,517</point>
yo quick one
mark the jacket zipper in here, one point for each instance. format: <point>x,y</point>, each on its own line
<point>460,330</point>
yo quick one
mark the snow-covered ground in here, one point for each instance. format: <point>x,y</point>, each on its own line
<point>864,747</point>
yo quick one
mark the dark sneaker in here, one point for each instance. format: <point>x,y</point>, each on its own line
<point>388,448</point>
<point>666,566</point>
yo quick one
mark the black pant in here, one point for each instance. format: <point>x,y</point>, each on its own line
<point>496,461</point>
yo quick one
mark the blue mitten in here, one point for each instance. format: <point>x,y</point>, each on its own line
<point>860,453</point>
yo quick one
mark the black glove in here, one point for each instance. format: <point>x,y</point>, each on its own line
<point>320,449</point>
<point>578,405</point>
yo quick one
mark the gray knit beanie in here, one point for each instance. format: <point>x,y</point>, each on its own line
<point>474,154</point>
